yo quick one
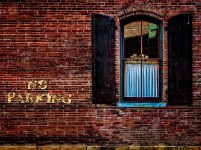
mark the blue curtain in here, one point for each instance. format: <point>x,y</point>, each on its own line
<point>141,79</point>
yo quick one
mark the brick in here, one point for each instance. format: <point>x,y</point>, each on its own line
<point>52,40</point>
<point>165,147</point>
<point>93,147</point>
<point>134,147</point>
<point>192,147</point>
<point>68,147</point>
<point>17,147</point>
<point>121,148</point>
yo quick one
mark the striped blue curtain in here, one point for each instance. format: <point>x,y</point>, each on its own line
<point>141,79</point>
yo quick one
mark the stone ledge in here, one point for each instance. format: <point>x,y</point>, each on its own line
<point>133,104</point>
<point>17,147</point>
<point>84,147</point>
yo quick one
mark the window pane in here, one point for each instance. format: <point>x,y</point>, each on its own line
<point>150,39</point>
<point>132,39</point>
<point>150,78</point>
<point>132,79</point>
<point>141,78</point>
<point>132,33</point>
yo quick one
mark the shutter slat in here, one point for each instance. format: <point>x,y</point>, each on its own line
<point>180,59</point>
<point>103,59</point>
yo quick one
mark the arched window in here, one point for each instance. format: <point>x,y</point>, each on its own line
<point>141,59</point>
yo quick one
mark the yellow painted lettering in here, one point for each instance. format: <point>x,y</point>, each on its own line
<point>54,98</point>
<point>50,98</point>
<point>42,84</point>
<point>68,100</point>
<point>19,98</point>
<point>10,96</point>
<point>29,99</point>
<point>39,98</point>
<point>59,98</point>
<point>31,85</point>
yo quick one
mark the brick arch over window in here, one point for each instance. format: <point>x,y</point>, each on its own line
<point>146,10</point>
<point>140,13</point>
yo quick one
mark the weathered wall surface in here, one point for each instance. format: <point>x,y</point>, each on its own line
<point>49,42</point>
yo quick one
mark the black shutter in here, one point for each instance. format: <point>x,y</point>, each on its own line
<point>180,59</point>
<point>103,32</point>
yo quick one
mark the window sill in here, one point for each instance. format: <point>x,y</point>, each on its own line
<point>133,104</point>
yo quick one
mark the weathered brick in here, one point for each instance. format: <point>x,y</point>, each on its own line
<point>134,147</point>
<point>68,147</point>
<point>93,147</point>
<point>18,147</point>
<point>121,148</point>
<point>52,40</point>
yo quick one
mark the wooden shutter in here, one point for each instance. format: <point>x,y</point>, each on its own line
<point>103,59</point>
<point>180,59</point>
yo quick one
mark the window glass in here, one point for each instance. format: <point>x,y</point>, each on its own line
<point>141,60</point>
<point>133,32</point>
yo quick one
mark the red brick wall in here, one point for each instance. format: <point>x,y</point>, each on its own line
<point>51,40</point>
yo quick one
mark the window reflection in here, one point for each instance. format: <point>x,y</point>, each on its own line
<point>141,37</point>
<point>141,60</point>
